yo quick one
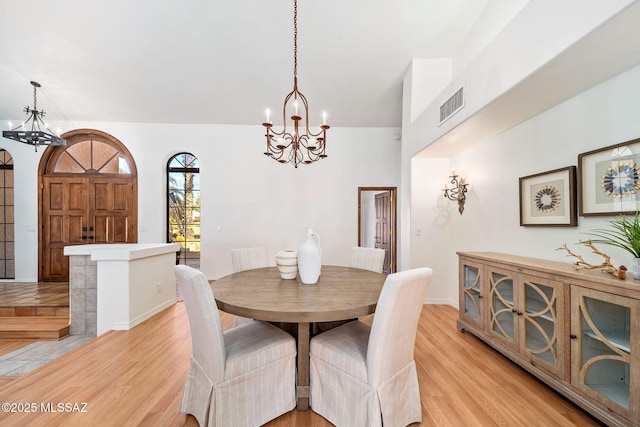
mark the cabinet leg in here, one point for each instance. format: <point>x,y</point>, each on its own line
<point>459,327</point>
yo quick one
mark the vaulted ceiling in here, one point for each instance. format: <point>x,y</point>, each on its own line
<point>223,62</point>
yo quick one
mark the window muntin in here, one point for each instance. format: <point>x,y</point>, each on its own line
<point>183,206</point>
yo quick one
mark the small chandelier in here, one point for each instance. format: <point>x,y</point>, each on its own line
<point>30,131</point>
<point>296,145</point>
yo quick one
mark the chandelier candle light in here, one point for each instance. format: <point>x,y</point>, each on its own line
<point>297,145</point>
<point>30,131</point>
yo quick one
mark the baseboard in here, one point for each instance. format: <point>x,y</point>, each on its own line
<point>125,326</point>
<point>441,301</point>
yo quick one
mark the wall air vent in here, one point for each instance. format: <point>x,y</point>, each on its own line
<point>452,105</point>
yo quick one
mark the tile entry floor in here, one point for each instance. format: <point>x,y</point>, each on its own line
<point>34,355</point>
<point>31,299</point>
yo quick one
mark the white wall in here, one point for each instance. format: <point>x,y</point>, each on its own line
<point>368,219</point>
<point>540,33</point>
<point>495,15</point>
<point>247,199</point>
<point>430,77</point>
<point>432,224</point>
<point>605,115</point>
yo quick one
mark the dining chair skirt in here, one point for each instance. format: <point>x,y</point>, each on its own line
<point>245,376</point>
<point>363,375</point>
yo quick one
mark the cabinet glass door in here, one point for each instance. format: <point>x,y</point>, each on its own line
<point>601,333</point>
<point>541,299</point>
<point>502,316</point>
<point>471,292</point>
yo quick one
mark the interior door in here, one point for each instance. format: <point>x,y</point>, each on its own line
<point>65,222</point>
<point>110,206</point>
<point>383,230</point>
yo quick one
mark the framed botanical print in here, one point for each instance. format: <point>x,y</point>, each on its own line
<point>549,198</point>
<point>610,179</point>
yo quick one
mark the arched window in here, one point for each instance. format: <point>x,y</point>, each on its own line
<point>183,206</point>
<point>7,252</point>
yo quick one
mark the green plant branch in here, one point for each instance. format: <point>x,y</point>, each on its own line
<point>625,234</point>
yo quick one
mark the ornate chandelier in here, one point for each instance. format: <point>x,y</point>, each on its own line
<point>31,131</point>
<point>299,144</point>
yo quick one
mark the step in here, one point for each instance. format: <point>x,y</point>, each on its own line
<point>26,311</point>
<point>40,328</point>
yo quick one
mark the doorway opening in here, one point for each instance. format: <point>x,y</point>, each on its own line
<point>377,225</point>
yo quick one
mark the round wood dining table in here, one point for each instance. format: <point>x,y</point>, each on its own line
<point>341,293</point>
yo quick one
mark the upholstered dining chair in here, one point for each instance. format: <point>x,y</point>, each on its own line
<point>245,376</point>
<point>365,375</point>
<point>367,258</point>
<point>247,259</point>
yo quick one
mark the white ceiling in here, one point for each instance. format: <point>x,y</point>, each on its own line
<point>208,61</point>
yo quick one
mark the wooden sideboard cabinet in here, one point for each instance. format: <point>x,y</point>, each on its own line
<point>578,331</point>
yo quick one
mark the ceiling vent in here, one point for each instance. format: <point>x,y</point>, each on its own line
<point>452,105</point>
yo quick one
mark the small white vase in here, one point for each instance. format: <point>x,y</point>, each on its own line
<point>310,258</point>
<point>287,262</point>
<point>636,268</point>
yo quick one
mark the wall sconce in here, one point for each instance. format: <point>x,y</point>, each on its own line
<point>458,192</point>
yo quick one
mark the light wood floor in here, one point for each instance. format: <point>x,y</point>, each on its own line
<point>34,299</point>
<point>135,378</point>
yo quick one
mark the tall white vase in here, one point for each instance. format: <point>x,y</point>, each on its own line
<point>310,258</point>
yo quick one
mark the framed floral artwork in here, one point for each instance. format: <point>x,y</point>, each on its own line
<point>549,198</point>
<point>609,181</point>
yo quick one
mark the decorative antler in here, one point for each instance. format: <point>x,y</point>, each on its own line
<point>606,266</point>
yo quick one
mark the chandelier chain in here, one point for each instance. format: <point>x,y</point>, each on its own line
<point>35,101</point>
<point>295,38</point>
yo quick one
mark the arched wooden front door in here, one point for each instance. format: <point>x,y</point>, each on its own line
<point>88,194</point>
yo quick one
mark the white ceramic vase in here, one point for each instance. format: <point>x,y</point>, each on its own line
<point>310,258</point>
<point>287,262</point>
<point>636,268</point>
